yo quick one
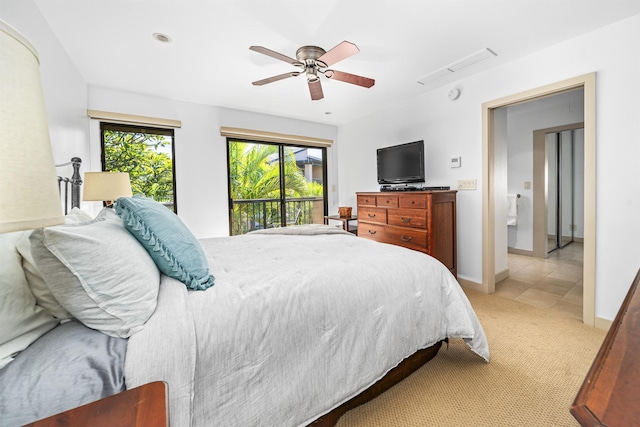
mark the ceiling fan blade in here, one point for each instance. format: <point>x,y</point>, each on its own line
<point>315,88</point>
<point>338,53</point>
<point>273,54</point>
<point>276,78</point>
<point>350,78</point>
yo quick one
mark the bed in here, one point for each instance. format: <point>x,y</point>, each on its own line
<point>287,327</point>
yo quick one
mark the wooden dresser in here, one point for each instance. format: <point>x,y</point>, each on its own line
<point>421,220</point>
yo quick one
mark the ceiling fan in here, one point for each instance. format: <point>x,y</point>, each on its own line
<point>312,61</point>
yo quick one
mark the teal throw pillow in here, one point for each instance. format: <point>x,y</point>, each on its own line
<point>175,250</point>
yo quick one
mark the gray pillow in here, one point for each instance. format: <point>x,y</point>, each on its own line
<point>99,273</point>
<point>69,366</point>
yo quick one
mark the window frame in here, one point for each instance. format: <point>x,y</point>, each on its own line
<point>282,199</point>
<point>120,127</point>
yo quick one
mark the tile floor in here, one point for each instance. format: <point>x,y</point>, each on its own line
<point>554,283</point>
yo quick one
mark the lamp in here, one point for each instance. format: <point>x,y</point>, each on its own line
<point>29,195</point>
<point>106,186</point>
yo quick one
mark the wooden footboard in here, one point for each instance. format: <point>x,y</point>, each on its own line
<point>609,393</point>
<point>393,377</point>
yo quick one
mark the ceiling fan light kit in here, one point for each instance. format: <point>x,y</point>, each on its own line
<point>313,60</point>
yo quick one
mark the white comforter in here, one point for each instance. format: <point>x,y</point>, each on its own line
<point>294,326</point>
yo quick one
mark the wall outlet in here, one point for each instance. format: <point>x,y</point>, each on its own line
<point>467,184</point>
<point>527,185</point>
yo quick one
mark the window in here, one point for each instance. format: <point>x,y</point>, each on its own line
<point>275,185</point>
<point>147,154</point>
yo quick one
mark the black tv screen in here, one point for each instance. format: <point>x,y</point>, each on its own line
<point>401,164</point>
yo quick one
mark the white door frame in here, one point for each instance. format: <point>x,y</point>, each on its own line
<point>588,83</point>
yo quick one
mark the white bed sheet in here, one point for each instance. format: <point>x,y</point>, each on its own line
<point>294,326</point>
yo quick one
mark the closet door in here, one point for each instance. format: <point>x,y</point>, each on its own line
<point>567,185</point>
<point>560,189</point>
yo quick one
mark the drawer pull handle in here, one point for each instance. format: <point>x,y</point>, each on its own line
<point>405,239</point>
<point>413,202</point>
<point>371,215</point>
<point>372,231</point>
<point>403,219</point>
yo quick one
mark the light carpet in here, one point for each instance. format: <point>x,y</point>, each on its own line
<point>538,361</point>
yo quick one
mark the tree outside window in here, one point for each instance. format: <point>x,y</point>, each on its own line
<point>147,155</point>
<point>274,185</point>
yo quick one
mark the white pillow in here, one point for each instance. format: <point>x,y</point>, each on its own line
<point>99,273</point>
<point>21,320</point>
<point>44,297</point>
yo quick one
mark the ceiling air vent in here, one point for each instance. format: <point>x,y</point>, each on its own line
<point>461,64</point>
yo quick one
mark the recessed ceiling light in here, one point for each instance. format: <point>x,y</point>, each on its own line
<point>163,38</point>
<point>327,112</point>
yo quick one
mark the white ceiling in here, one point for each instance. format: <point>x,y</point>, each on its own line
<point>400,41</point>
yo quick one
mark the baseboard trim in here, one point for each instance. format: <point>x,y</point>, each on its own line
<point>600,323</point>
<point>516,251</point>
<point>504,274</point>
<point>603,324</point>
<point>470,285</point>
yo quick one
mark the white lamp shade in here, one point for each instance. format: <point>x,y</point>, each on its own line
<point>106,186</point>
<point>29,196</point>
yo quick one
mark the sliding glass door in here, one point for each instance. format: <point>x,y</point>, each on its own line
<point>274,185</point>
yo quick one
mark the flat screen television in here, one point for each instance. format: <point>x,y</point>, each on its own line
<point>401,164</point>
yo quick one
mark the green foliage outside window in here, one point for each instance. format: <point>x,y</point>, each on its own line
<point>254,173</point>
<point>146,157</point>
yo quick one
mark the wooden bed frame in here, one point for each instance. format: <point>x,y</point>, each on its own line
<point>394,376</point>
<point>609,393</point>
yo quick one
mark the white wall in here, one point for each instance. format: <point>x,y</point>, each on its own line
<point>200,151</point>
<point>455,128</point>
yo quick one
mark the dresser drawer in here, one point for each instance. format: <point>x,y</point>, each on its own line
<point>371,231</point>
<point>366,200</point>
<point>413,201</point>
<point>387,201</point>
<point>415,218</point>
<point>424,221</point>
<point>377,215</point>
<point>408,237</point>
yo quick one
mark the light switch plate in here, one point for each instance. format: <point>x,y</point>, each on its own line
<point>467,184</point>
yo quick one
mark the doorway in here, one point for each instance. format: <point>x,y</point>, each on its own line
<point>587,82</point>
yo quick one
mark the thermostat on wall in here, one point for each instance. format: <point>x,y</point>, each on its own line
<point>455,162</point>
